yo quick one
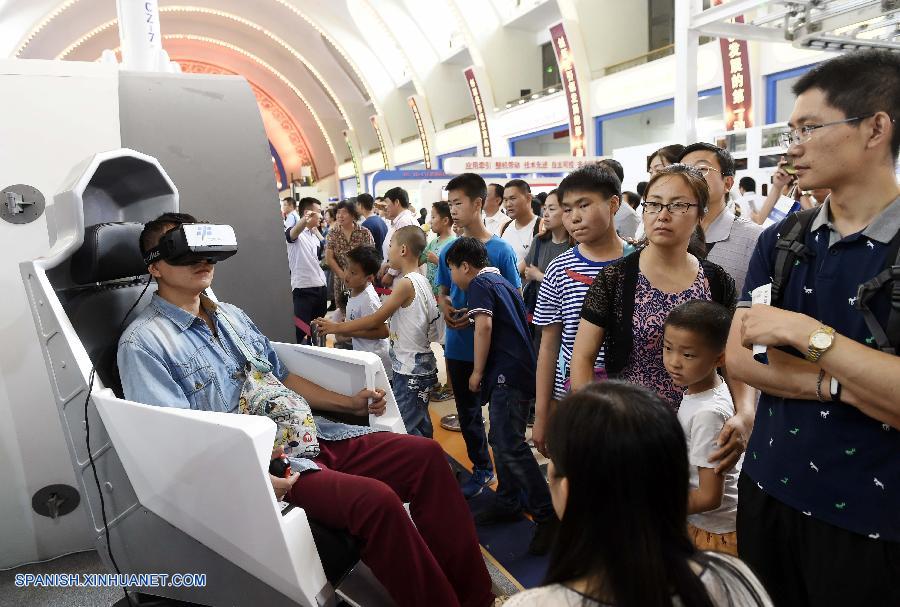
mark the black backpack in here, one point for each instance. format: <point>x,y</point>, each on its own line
<point>790,249</point>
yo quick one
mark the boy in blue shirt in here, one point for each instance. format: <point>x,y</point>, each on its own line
<point>466,194</point>
<point>503,373</point>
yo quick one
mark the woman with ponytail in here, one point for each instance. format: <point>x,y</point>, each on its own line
<point>618,477</point>
<point>626,306</point>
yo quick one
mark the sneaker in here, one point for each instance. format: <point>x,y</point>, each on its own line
<point>441,394</point>
<point>497,516</point>
<point>477,482</point>
<point>544,536</point>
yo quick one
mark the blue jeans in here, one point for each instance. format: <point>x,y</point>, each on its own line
<point>412,393</point>
<point>468,408</point>
<point>517,470</point>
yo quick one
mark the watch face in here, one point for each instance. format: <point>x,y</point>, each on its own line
<point>821,340</point>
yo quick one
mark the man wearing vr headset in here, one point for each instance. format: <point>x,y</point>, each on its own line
<point>180,351</point>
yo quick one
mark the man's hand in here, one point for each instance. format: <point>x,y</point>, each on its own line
<point>771,326</point>
<point>282,486</point>
<point>781,177</point>
<point>475,381</point>
<point>376,407</point>
<point>433,257</point>
<point>324,326</point>
<point>732,442</point>
<point>456,319</point>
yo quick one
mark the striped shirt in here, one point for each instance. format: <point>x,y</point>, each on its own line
<point>562,292</point>
<point>733,240</point>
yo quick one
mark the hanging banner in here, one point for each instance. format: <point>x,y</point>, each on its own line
<point>426,130</point>
<point>517,164</point>
<point>736,81</point>
<point>484,140</point>
<point>377,122</point>
<point>352,146</point>
<point>566,61</point>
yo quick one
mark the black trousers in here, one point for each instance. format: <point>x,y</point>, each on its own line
<point>309,303</point>
<point>805,562</point>
<point>468,408</point>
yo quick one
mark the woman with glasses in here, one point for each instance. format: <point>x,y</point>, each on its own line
<point>627,304</point>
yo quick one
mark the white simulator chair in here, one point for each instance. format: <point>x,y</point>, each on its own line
<point>184,491</point>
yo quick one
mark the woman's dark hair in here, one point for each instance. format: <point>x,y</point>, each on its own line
<point>548,235</point>
<point>348,206</point>
<point>366,257</point>
<point>470,250</point>
<point>695,181</point>
<point>332,212</point>
<point>669,154</point>
<point>624,528</point>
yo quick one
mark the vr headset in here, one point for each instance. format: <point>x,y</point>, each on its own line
<point>192,243</point>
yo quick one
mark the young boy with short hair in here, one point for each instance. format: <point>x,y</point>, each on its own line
<point>694,341</point>
<point>411,309</point>
<point>363,264</point>
<point>442,226</point>
<point>503,374</point>
<point>589,198</point>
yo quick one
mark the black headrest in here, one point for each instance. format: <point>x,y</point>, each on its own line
<point>110,252</point>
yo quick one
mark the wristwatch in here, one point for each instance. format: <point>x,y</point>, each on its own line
<point>820,341</point>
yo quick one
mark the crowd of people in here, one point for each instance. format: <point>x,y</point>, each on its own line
<point>702,445</point>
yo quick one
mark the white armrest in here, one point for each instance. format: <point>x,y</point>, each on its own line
<point>345,372</point>
<point>207,474</point>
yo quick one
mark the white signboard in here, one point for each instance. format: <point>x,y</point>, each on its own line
<point>518,164</point>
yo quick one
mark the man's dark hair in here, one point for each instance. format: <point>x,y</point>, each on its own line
<point>366,257</point>
<point>350,207</point>
<point>596,178</point>
<point>641,187</point>
<point>306,202</point>
<point>518,183</point>
<point>398,194</point>
<point>290,200</point>
<point>498,189</point>
<point>631,198</point>
<point>154,230</point>
<point>471,184</point>
<point>748,184</point>
<point>441,208</point>
<point>411,236</point>
<point>859,83</point>
<point>669,154</point>
<point>366,201</point>
<point>615,166</point>
<point>708,320</point>
<point>469,250</point>
<point>723,156</point>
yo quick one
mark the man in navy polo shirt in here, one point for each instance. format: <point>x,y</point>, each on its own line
<point>819,496</point>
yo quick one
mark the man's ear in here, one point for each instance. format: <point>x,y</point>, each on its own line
<point>154,270</point>
<point>614,203</point>
<point>729,182</point>
<point>720,361</point>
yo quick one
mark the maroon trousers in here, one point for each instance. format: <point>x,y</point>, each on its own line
<point>362,486</point>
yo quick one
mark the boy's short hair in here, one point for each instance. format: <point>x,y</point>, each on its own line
<point>411,236</point>
<point>366,201</point>
<point>641,187</point>
<point>709,320</point>
<point>595,178</point>
<point>859,84</point>
<point>631,199</point>
<point>518,183</point>
<point>469,250</point>
<point>471,184</point>
<point>748,184</point>
<point>366,257</point>
<point>290,201</point>
<point>442,208</point>
<point>154,230</point>
<point>398,194</point>
<point>723,156</point>
<point>615,166</point>
<point>306,202</point>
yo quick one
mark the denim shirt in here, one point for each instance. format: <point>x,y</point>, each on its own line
<point>168,357</point>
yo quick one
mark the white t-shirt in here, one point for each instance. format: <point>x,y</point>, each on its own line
<point>627,221</point>
<point>520,238</point>
<point>702,416</point>
<point>751,201</point>
<point>365,304</point>
<point>405,218</point>
<point>495,222</point>
<point>728,581</point>
<point>303,257</point>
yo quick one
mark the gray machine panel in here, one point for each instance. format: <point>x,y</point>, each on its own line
<point>206,131</point>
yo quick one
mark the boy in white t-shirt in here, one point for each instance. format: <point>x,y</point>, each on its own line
<point>411,310</point>
<point>693,349</point>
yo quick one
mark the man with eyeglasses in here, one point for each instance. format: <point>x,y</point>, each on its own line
<point>730,240</point>
<point>819,494</point>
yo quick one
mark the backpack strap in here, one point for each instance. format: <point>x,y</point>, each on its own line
<point>790,248</point>
<point>505,225</point>
<point>886,338</point>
